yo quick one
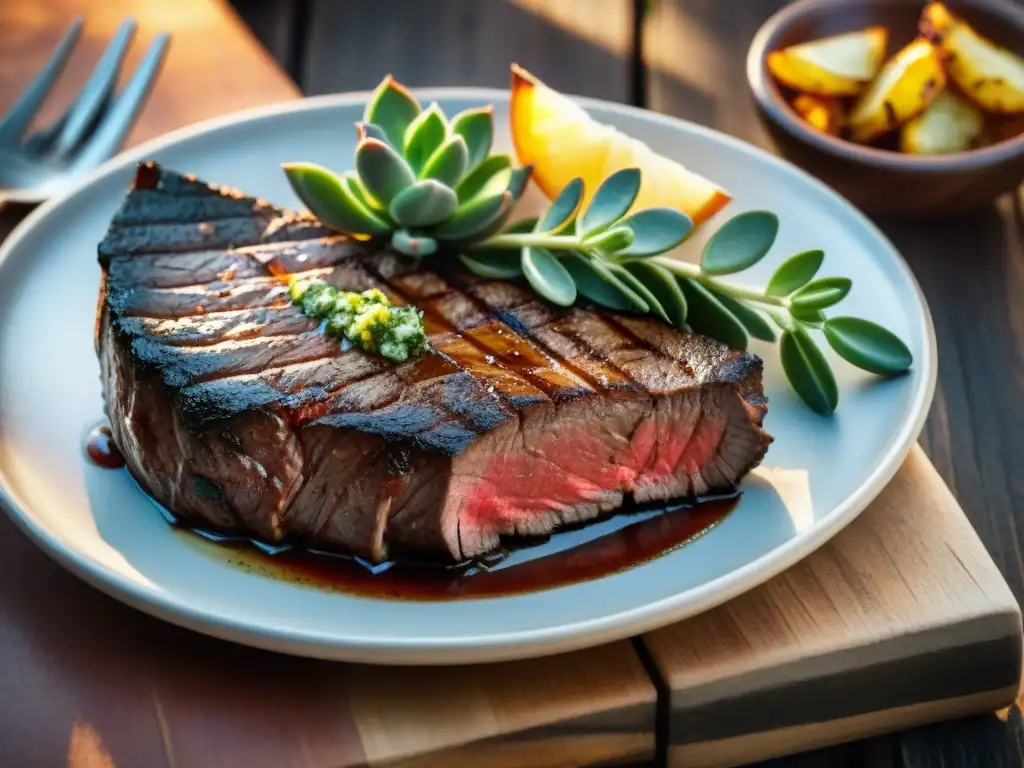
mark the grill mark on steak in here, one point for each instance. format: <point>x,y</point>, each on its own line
<point>521,310</point>
<point>360,453</point>
<point>229,325</point>
<point>471,322</point>
<point>182,366</point>
<point>167,270</point>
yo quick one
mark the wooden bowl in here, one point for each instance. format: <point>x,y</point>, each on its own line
<point>881,180</point>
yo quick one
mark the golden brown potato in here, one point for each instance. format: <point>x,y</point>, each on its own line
<point>950,124</point>
<point>935,22</point>
<point>989,75</point>
<point>821,112</point>
<point>840,65</point>
<point>903,89</point>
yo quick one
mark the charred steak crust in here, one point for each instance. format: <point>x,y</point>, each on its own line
<point>236,413</point>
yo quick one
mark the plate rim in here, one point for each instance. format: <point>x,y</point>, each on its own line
<point>503,646</point>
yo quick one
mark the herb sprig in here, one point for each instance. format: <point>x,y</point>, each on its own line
<point>430,188</point>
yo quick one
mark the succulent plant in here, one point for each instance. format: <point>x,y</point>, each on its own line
<point>421,182</point>
<point>425,185</point>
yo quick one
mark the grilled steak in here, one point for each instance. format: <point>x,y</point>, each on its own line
<point>235,412</point>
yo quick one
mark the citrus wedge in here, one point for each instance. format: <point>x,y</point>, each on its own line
<point>562,142</point>
<point>840,65</point>
<point>907,84</point>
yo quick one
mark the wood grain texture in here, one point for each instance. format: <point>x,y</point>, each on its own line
<point>901,618</point>
<point>214,64</point>
<point>971,270</point>
<point>580,46</point>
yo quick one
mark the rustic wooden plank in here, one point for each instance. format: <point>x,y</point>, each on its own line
<point>578,46</point>
<point>280,26</point>
<point>851,641</point>
<point>970,269</point>
<point>214,64</point>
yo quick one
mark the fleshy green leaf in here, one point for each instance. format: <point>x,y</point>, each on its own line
<point>740,243</point>
<point>423,204</point>
<point>548,277</point>
<point>516,185</point>
<point>329,200</point>
<point>413,245</point>
<point>821,293</point>
<point>496,169</point>
<point>362,194</point>
<point>610,202</point>
<point>611,241</point>
<point>655,231</point>
<point>595,282</point>
<point>814,317</point>
<point>392,108</point>
<point>448,162</point>
<point>751,319</point>
<point>660,282</point>
<point>808,371</point>
<point>709,316</point>
<point>472,218</point>
<point>653,305</point>
<point>560,214</point>
<point>795,272</point>
<point>383,171</point>
<point>498,264</point>
<point>868,345</point>
<point>476,126</point>
<point>520,178</point>
<point>371,131</point>
<point>423,136</point>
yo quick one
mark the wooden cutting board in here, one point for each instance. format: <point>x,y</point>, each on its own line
<point>901,619</point>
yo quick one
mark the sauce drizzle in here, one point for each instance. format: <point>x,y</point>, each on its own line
<point>575,554</point>
<point>570,556</point>
<point>102,450</point>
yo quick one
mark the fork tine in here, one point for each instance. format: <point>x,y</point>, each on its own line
<point>17,120</point>
<point>96,90</point>
<point>119,120</point>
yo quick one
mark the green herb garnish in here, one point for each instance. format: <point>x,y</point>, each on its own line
<point>368,320</point>
<point>424,185</point>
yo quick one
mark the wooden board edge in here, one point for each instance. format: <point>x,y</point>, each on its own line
<point>613,737</point>
<point>901,673</point>
<point>1000,623</point>
<point>749,748</point>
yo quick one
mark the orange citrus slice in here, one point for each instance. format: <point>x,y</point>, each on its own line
<point>563,142</point>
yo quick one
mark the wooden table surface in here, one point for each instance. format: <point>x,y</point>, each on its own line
<point>683,58</point>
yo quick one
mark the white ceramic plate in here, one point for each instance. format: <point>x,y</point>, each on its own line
<point>818,475</point>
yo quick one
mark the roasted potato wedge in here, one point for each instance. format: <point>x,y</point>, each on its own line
<point>840,65</point>
<point>903,89</point>
<point>988,74</point>
<point>950,124</point>
<point>821,112</point>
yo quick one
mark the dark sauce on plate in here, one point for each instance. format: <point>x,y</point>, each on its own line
<point>102,450</point>
<point>574,554</point>
<point>569,556</point>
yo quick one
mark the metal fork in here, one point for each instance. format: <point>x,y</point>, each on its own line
<point>91,130</point>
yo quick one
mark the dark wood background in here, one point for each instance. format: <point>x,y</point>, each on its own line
<point>686,58</point>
